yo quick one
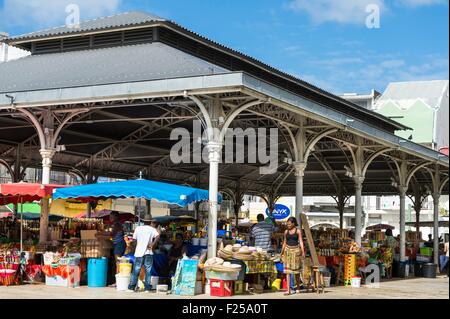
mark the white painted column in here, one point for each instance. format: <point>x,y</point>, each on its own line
<point>299,174</point>
<point>436,197</point>
<point>358,208</point>
<point>402,190</point>
<point>214,150</point>
<point>47,156</point>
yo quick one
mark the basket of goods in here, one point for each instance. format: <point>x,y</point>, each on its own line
<point>214,262</point>
<point>226,267</point>
<point>220,269</point>
<point>354,248</point>
<point>72,246</point>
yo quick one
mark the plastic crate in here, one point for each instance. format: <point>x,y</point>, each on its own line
<point>349,268</point>
<point>221,288</point>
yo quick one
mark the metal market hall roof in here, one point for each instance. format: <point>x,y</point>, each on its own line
<point>121,20</point>
<point>137,27</point>
<point>117,87</point>
<point>129,63</point>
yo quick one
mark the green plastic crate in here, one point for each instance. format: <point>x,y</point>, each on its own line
<point>426,251</point>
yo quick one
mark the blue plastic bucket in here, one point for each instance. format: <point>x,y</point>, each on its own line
<point>97,272</point>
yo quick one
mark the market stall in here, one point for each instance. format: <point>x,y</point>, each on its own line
<point>14,260</point>
<point>142,189</point>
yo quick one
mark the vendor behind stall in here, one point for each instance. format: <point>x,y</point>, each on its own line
<point>117,234</point>
<point>262,233</point>
<point>391,242</point>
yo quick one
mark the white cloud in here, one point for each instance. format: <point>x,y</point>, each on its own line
<point>372,71</point>
<point>420,3</point>
<point>338,61</point>
<point>44,13</point>
<point>341,11</point>
<point>392,64</point>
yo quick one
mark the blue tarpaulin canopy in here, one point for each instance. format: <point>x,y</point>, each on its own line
<point>162,192</point>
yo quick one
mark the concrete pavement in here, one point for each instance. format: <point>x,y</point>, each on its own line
<point>417,288</point>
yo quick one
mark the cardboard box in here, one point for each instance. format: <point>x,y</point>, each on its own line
<point>58,281</point>
<point>88,234</point>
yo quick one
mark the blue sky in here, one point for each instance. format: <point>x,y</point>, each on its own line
<point>325,42</point>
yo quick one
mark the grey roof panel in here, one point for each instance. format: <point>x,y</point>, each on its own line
<point>119,20</point>
<point>405,94</point>
<point>141,62</point>
<point>131,19</point>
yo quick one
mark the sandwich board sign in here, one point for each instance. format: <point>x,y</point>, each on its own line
<point>185,278</point>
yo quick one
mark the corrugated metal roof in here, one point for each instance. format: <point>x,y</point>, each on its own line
<point>101,66</point>
<point>135,18</point>
<point>290,77</point>
<point>405,94</point>
<point>119,20</point>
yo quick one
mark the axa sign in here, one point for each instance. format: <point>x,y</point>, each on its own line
<point>280,211</point>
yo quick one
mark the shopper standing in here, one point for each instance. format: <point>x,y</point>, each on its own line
<point>292,252</point>
<point>444,258</point>
<point>392,244</point>
<point>147,238</point>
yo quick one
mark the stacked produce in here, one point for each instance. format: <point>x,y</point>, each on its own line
<point>72,246</point>
<point>349,247</point>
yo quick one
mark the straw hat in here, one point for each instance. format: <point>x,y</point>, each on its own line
<point>229,248</point>
<point>236,247</point>
<point>214,261</point>
<point>244,250</point>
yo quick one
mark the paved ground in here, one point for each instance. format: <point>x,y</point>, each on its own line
<point>420,288</point>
